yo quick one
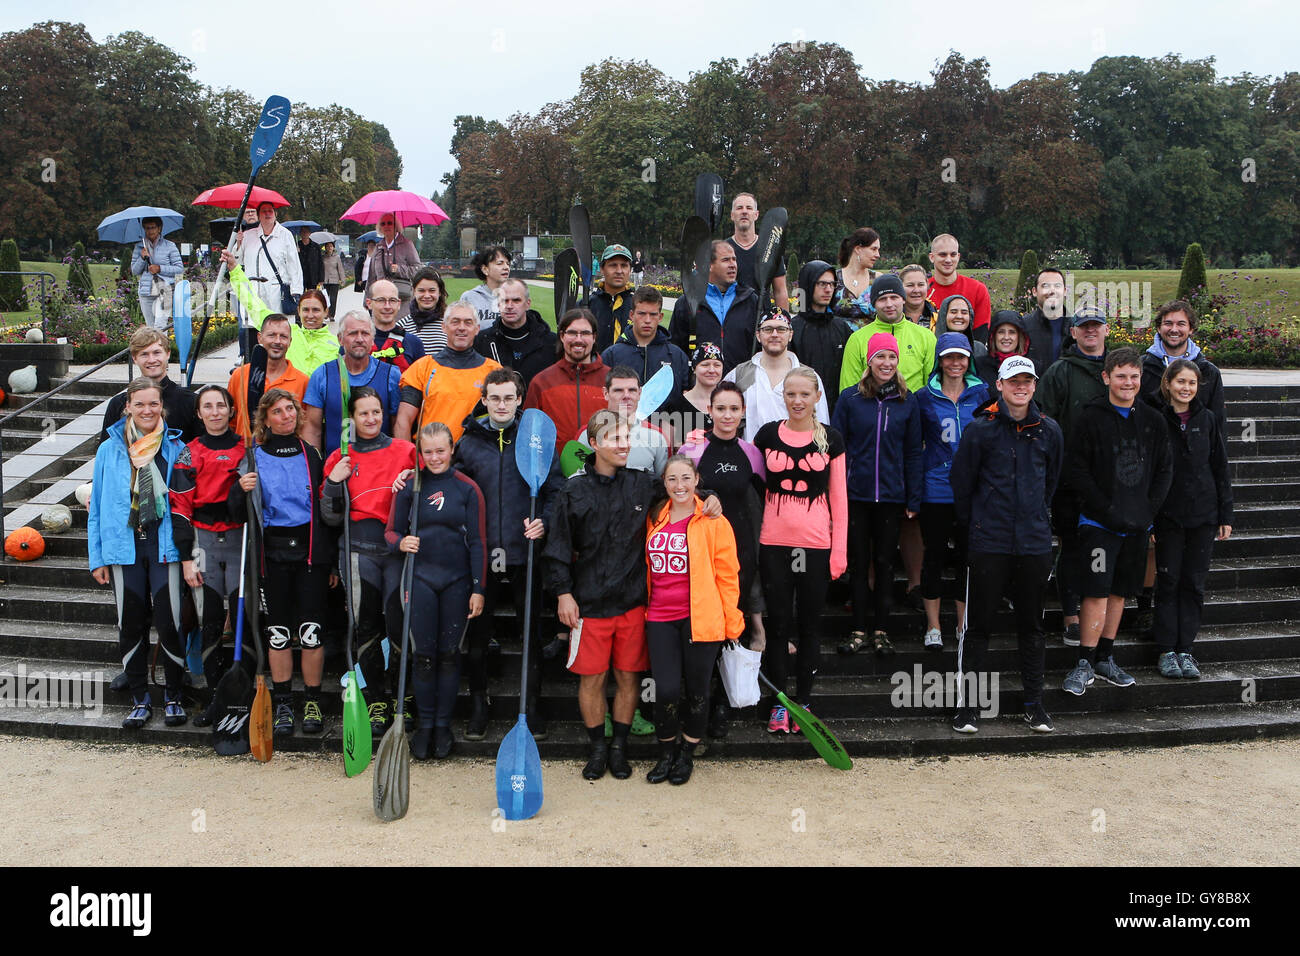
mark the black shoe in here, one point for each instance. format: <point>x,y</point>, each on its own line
<point>718,716</point>
<point>203,718</point>
<point>967,721</point>
<point>493,646</point>
<point>598,762</point>
<point>378,718</point>
<point>282,725</point>
<point>120,683</point>
<point>313,722</point>
<point>552,650</point>
<point>914,600</point>
<point>443,740</point>
<point>667,755</point>
<point>682,766</point>
<point>422,743</point>
<point>478,717</point>
<point>536,723</point>
<point>619,768</point>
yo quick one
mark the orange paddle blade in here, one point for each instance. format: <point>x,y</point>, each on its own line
<point>259,724</point>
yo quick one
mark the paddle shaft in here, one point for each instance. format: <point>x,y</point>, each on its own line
<point>408,575</point>
<point>528,613</point>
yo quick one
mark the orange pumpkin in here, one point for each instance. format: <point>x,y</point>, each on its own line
<point>25,544</point>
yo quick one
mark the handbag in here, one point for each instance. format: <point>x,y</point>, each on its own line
<point>288,304</point>
<point>739,668</point>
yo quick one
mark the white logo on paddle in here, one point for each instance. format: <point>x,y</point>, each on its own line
<point>518,781</point>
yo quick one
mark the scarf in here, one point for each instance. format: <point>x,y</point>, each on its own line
<point>148,490</point>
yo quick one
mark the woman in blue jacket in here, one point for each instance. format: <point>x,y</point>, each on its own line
<point>158,263</point>
<point>129,541</point>
<point>948,403</point>
<point>881,424</point>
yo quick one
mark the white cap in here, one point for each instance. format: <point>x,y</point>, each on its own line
<point>1017,365</point>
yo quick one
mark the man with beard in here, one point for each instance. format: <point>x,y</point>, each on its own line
<point>819,335</point>
<point>1046,325</point>
<point>274,336</point>
<point>573,389</point>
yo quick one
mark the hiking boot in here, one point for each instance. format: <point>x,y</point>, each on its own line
<point>1169,666</point>
<point>967,721</point>
<point>1071,636</point>
<point>1037,719</point>
<point>1077,681</point>
<point>667,754</point>
<point>443,741</point>
<point>719,714</point>
<point>140,714</point>
<point>619,768</point>
<point>1109,671</point>
<point>173,712</point>
<point>378,711</point>
<point>640,726</point>
<point>282,725</point>
<point>476,729</point>
<point>1188,665</point>
<point>313,722</point>
<point>597,762</point>
<point>933,639</point>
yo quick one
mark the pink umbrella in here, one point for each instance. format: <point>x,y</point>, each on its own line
<point>409,208</point>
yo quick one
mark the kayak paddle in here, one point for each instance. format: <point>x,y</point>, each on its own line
<point>814,730</point>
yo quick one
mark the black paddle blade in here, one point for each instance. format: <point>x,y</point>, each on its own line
<point>771,248</point>
<point>708,199</point>
<point>696,236</point>
<point>580,227</point>
<point>568,280</point>
<point>256,379</point>
<point>232,708</point>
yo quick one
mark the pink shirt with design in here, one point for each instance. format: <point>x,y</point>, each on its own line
<point>807,502</point>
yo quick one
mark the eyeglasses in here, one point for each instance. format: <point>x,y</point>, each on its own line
<point>580,335</point>
<point>388,301</point>
<point>825,284</point>
<point>772,329</point>
<point>501,399</point>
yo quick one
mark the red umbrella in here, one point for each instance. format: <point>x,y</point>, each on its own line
<point>408,207</point>
<point>230,197</point>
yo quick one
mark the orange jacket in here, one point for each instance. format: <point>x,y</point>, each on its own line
<point>715,574</point>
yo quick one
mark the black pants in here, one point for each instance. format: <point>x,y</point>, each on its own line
<point>939,525</point>
<point>135,587</point>
<point>674,659</point>
<point>873,539</point>
<point>794,582</point>
<point>1182,565</point>
<point>514,580</point>
<point>332,293</point>
<point>1065,522</point>
<point>1024,577</point>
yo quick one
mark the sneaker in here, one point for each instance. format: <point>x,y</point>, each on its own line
<point>640,726</point>
<point>1077,681</point>
<point>794,724</point>
<point>1188,665</point>
<point>1108,670</point>
<point>779,721</point>
<point>1169,666</point>
<point>173,712</point>
<point>139,715</point>
<point>1037,719</point>
<point>1071,636</point>
<point>282,725</point>
<point>934,639</point>
<point>967,721</point>
<point>378,711</point>
<point>313,722</point>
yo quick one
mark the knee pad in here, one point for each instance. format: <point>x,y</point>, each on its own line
<point>309,635</point>
<point>424,665</point>
<point>279,637</point>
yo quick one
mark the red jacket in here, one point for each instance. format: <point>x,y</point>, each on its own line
<point>569,395</point>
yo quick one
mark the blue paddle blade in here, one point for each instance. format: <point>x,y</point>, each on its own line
<point>655,392</point>
<point>535,447</point>
<point>182,318</point>
<point>269,132</point>
<point>194,652</point>
<point>519,774</point>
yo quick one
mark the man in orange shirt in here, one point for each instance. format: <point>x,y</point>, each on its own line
<point>447,386</point>
<point>274,336</point>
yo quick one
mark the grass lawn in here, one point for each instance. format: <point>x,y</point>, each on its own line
<point>104,277</point>
<point>542,299</point>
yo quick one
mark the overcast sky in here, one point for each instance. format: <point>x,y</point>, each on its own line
<point>415,66</point>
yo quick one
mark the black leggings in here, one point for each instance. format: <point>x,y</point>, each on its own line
<point>438,620</point>
<point>794,582</point>
<point>873,539</point>
<point>135,586</point>
<point>377,614</point>
<point>939,525</point>
<point>674,657</point>
<point>1182,565</point>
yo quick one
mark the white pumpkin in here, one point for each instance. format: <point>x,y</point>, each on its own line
<point>56,518</point>
<point>83,494</point>
<point>35,335</point>
<point>23,381</point>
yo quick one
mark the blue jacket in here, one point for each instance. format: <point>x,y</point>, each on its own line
<point>648,359</point>
<point>942,422</point>
<point>1003,478</point>
<point>166,256</point>
<point>882,441</point>
<point>109,537</point>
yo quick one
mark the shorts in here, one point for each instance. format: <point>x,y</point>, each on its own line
<point>1110,563</point>
<point>598,642</point>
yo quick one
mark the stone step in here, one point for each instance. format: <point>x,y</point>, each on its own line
<point>1278,466</point>
<point>1260,446</point>
<point>1267,427</point>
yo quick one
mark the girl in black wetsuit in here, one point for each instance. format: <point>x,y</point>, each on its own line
<point>447,585</point>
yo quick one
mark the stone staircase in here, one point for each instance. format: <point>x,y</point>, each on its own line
<point>54,618</point>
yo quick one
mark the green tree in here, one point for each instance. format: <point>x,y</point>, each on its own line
<point>1028,271</point>
<point>1192,284</point>
<point>13,297</point>
<point>79,280</point>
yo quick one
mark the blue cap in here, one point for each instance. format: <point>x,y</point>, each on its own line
<point>952,343</point>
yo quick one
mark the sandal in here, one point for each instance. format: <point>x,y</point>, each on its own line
<point>883,645</point>
<point>857,640</point>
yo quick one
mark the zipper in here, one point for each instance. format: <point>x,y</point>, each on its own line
<point>879,407</point>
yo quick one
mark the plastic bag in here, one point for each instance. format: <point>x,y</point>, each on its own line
<point>739,667</point>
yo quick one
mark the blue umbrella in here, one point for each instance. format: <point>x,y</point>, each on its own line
<point>296,224</point>
<point>125,226</point>
<point>367,236</point>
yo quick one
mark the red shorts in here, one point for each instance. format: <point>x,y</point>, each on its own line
<point>598,642</point>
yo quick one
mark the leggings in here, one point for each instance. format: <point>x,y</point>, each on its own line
<point>439,616</point>
<point>134,585</point>
<point>795,582</point>
<point>377,613</point>
<point>873,539</point>
<point>1182,564</point>
<point>939,524</point>
<point>294,592</point>
<point>674,657</point>
<point>480,629</point>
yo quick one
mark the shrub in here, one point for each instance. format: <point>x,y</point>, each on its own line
<point>1071,259</point>
<point>1022,297</point>
<point>1192,281</point>
<point>79,280</point>
<point>124,266</point>
<point>1259,260</point>
<point>13,298</point>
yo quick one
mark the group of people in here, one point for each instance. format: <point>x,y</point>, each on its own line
<point>889,414</point>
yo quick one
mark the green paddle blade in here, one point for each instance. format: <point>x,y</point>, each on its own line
<point>815,731</point>
<point>574,457</point>
<point>356,728</point>
<point>393,773</point>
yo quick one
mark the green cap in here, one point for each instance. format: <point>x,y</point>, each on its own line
<point>615,250</point>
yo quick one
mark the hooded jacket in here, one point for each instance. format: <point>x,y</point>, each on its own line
<point>942,423</point>
<point>569,395</point>
<point>1072,382</point>
<point>882,444</point>
<point>1154,362</point>
<point>736,334</point>
<point>1120,467</point>
<point>819,338</point>
<point>1003,476</point>
<point>487,455</point>
<point>987,365</point>
<point>648,359</point>
<point>977,349</point>
<point>528,350</point>
<point>1047,338</point>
